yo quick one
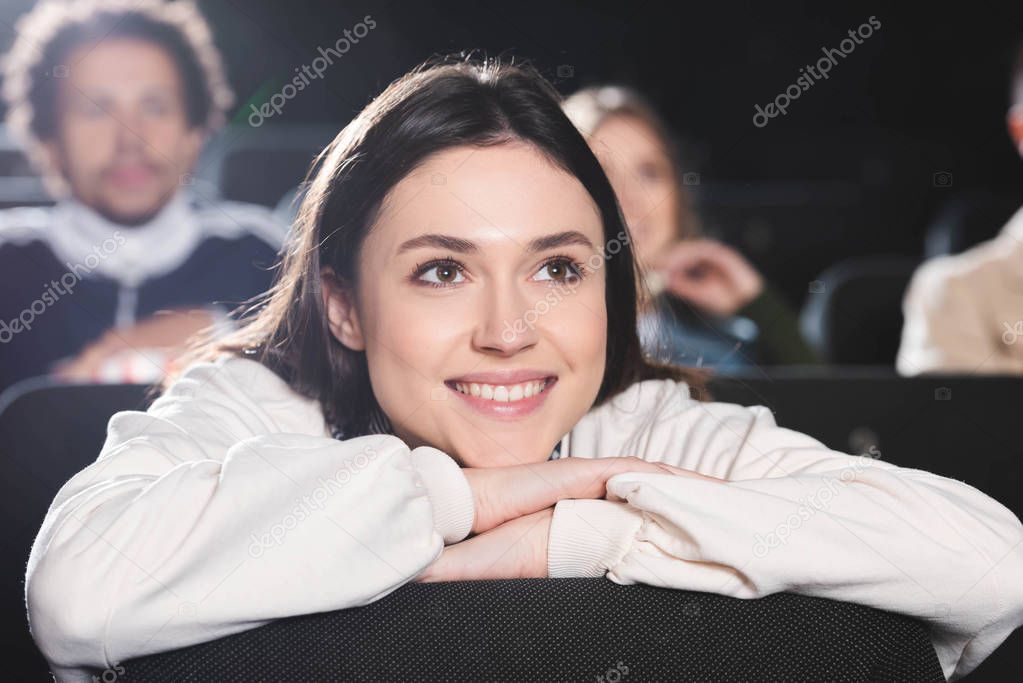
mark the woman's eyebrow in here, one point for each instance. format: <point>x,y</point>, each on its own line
<point>457,244</point>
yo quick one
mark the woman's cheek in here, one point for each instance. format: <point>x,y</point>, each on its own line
<point>581,325</point>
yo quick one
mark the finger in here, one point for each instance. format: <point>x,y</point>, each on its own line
<point>681,258</point>
<point>614,497</point>
<point>671,469</point>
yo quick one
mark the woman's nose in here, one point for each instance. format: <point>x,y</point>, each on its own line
<point>508,320</point>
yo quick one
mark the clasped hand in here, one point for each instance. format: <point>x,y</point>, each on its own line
<point>514,506</point>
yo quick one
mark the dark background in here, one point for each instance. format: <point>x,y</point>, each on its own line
<point>849,171</point>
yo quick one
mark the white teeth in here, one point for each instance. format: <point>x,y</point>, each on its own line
<point>515,392</point>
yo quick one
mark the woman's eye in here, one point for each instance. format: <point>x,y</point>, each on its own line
<point>561,270</point>
<point>444,274</point>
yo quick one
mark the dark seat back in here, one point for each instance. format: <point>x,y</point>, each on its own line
<point>962,427</point>
<point>48,432</point>
<point>853,313</point>
<point>968,219</point>
<point>564,630</point>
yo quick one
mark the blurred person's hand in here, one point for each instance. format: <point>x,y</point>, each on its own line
<point>164,335</point>
<point>710,275</point>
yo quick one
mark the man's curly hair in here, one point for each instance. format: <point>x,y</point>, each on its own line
<point>46,35</point>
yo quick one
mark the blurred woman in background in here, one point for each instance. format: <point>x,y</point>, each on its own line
<point>705,304</point>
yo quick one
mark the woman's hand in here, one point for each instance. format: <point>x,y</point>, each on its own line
<point>506,493</point>
<point>513,542</point>
<point>516,549</point>
<point>710,275</point>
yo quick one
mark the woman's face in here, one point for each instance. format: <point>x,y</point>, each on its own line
<point>471,275</point>
<point>641,173</point>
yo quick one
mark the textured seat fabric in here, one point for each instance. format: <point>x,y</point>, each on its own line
<point>564,629</point>
<point>48,432</point>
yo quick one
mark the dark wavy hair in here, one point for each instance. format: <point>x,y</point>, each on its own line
<point>442,104</point>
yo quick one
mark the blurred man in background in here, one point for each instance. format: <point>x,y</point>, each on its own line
<point>964,313</point>
<point>113,101</point>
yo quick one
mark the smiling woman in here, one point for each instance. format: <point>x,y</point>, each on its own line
<point>444,216</point>
<point>375,423</point>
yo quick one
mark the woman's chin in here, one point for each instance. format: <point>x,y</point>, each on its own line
<point>495,456</point>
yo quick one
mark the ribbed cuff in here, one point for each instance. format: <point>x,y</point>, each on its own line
<point>589,537</point>
<point>450,495</point>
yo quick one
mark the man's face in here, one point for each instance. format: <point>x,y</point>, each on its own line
<point>123,141</point>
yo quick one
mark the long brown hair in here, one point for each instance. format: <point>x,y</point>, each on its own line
<point>438,105</point>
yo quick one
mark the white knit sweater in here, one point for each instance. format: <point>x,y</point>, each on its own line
<point>228,504</point>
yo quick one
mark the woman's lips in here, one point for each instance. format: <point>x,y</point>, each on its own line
<point>505,410</point>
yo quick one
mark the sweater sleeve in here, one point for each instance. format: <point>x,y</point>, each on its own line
<point>795,516</point>
<point>947,325</point>
<point>224,506</point>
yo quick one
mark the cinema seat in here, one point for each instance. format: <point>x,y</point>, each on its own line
<point>955,426</point>
<point>48,432</point>
<point>853,313</point>
<point>963,427</point>
<point>563,630</point>
<point>282,153</point>
<point>968,219</point>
